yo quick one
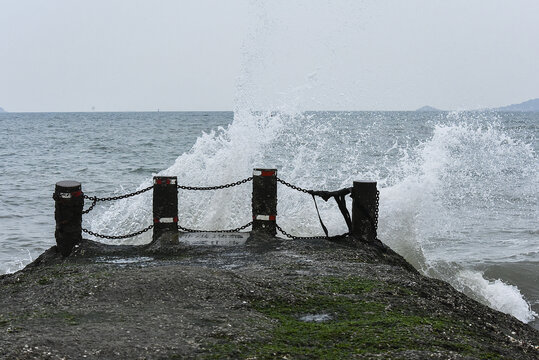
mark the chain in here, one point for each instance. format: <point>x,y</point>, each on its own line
<point>93,198</point>
<point>376,213</point>
<point>119,236</point>
<point>220,231</point>
<point>183,187</point>
<point>281,229</point>
<point>94,201</point>
<point>293,237</point>
<point>294,186</point>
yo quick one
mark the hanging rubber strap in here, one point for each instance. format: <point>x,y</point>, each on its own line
<point>320,218</point>
<point>340,198</point>
<point>341,202</point>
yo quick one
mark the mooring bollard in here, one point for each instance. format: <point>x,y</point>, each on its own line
<point>364,210</point>
<point>264,201</point>
<point>68,204</point>
<point>165,205</point>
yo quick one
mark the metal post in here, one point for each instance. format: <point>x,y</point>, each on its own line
<point>364,210</point>
<point>165,205</point>
<point>264,201</point>
<point>68,204</point>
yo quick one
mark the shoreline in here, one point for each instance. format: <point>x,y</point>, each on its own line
<point>268,298</point>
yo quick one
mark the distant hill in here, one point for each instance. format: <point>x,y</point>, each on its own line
<point>428,108</point>
<point>2,110</point>
<point>530,105</point>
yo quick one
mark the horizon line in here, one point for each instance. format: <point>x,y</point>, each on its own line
<point>232,111</point>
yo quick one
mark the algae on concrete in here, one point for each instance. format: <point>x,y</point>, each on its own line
<point>267,299</point>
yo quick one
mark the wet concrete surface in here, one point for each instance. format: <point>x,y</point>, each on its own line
<point>176,299</point>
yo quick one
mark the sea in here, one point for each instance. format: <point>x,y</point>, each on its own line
<point>458,190</point>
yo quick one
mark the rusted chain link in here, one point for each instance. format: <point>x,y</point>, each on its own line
<point>294,186</point>
<point>217,187</point>
<point>293,237</point>
<point>94,201</point>
<point>94,198</point>
<point>220,231</point>
<point>376,213</point>
<point>117,236</point>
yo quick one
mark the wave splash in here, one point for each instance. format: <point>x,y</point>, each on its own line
<point>430,188</point>
<point>221,156</point>
<point>496,293</point>
<point>434,212</point>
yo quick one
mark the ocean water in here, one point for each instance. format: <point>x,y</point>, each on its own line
<point>458,190</point>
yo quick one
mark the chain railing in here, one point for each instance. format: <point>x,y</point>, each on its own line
<point>112,198</point>
<point>323,194</point>
<point>288,235</point>
<point>326,195</point>
<point>294,237</point>
<point>295,187</point>
<point>218,187</point>
<point>117,237</point>
<point>95,199</point>
<point>243,227</point>
<point>367,212</point>
<point>119,197</point>
<point>376,210</point>
<point>69,208</point>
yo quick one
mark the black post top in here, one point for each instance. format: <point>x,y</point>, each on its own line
<point>264,172</point>
<point>365,182</point>
<point>165,180</point>
<point>365,187</point>
<point>68,185</point>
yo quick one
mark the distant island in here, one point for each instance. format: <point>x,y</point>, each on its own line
<point>428,109</point>
<point>2,110</point>
<point>527,106</point>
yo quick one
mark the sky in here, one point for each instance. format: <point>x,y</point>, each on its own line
<point>208,55</point>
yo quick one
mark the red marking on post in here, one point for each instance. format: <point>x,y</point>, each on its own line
<point>267,173</point>
<point>264,217</point>
<point>76,193</point>
<point>156,220</point>
<point>168,181</point>
<point>158,181</point>
<point>175,219</point>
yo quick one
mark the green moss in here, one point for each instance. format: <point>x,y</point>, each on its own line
<point>4,321</point>
<point>355,326</point>
<point>345,286</point>
<point>354,285</point>
<point>44,280</point>
<point>492,356</point>
<point>70,319</point>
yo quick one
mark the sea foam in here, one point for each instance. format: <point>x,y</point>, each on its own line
<point>427,195</point>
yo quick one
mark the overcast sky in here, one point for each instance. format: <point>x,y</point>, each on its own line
<point>71,55</point>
